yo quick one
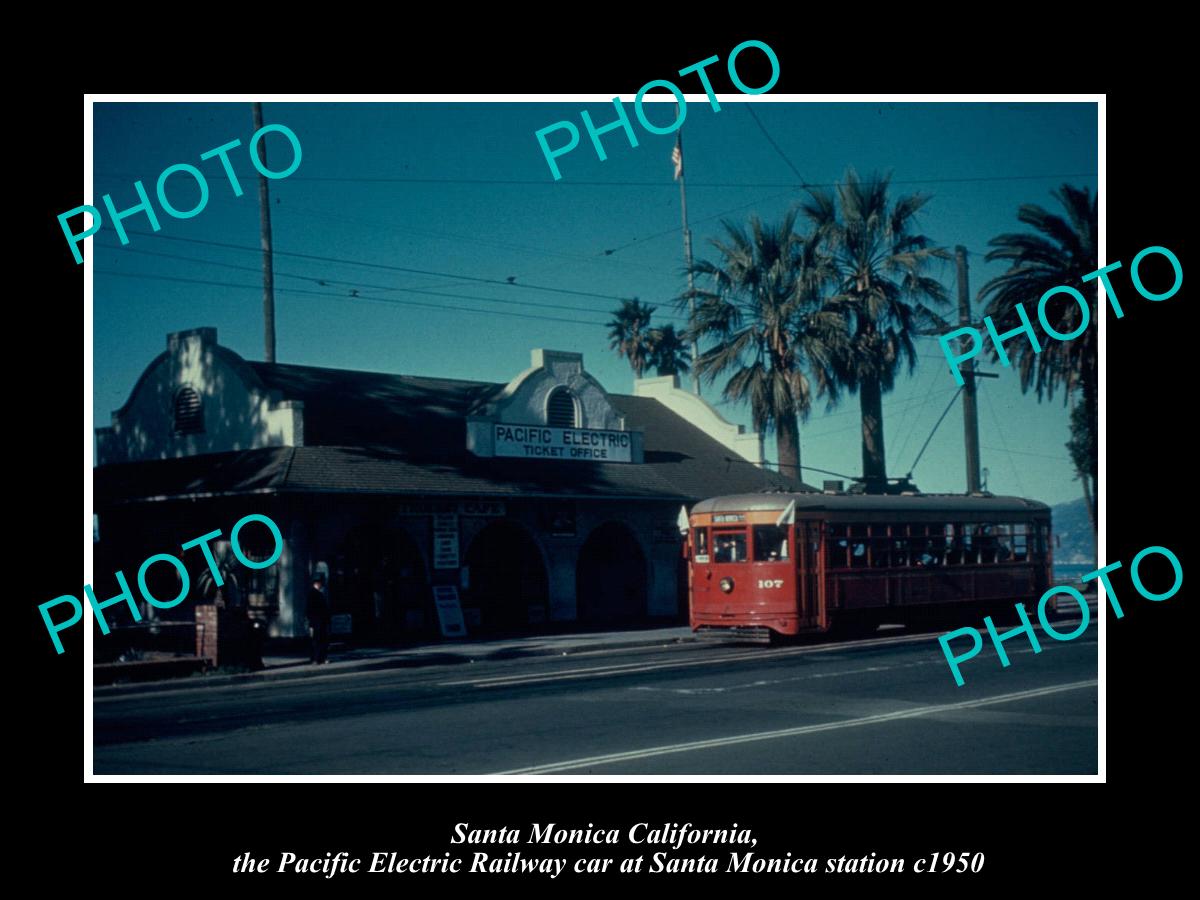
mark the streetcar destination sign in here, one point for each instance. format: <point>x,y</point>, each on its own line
<point>535,441</point>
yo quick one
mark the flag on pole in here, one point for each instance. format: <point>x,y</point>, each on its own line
<point>677,156</point>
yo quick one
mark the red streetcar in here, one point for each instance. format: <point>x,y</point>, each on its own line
<point>786,564</point>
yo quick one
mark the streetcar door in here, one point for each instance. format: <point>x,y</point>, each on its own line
<point>808,545</point>
<point>700,578</point>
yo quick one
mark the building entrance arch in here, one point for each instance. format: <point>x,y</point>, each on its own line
<point>508,588</point>
<point>379,577</point>
<point>611,576</point>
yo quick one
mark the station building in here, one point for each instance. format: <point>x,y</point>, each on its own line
<point>535,503</point>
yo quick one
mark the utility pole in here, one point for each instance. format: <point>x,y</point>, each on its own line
<point>264,214</point>
<point>970,409</point>
<point>687,250</point>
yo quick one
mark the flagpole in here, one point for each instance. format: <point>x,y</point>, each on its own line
<point>687,255</point>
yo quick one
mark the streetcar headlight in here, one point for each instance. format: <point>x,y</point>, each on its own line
<point>727,585</point>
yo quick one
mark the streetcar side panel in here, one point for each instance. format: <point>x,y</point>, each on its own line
<point>933,563</point>
<point>751,570</point>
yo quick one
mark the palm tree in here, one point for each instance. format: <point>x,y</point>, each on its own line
<point>1061,254</point>
<point>630,335</point>
<point>764,313</point>
<point>669,352</point>
<point>882,289</point>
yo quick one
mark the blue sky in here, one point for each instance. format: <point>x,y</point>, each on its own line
<point>468,193</point>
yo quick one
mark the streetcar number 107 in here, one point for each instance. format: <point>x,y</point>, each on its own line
<point>770,582</point>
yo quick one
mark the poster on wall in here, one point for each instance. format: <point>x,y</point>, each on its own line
<point>450,617</point>
<point>445,541</point>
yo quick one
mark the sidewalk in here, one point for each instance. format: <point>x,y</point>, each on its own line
<point>366,659</point>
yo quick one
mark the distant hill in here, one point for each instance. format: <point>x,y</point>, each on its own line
<point>1074,529</point>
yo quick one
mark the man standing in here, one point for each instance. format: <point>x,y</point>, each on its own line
<point>318,619</point>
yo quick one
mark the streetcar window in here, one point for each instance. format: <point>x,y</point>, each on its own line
<point>918,546</point>
<point>729,546</point>
<point>879,546</point>
<point>1004,543</point>
<point>858,554</point>
<point>770,543</point>
<point>935,551</point>
<point>837,546</point>
<point>970,552</point>
<point>953,549</point>
<point>1020,542</point>
<point>986,541</point>
<point>701,538</point>
<point>858,546</point>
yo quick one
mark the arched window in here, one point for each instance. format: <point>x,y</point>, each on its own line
<point>189,412</point>
<point>561,409</point>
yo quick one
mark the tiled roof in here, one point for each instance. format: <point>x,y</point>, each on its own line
<point>396,434</point>
<point>242,472</point>
<point>344,408</point>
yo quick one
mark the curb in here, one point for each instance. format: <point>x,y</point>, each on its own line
<point>412,661</point>
<point>368,665</point>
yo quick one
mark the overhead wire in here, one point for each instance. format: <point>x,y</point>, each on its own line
<point>749,107</point>
<point>1004,442</point>
<point>324,280</point>
<point>385,266</point>
<point>911,430</point>
<point>898,404</point>
<point>541,182</point>
<point>936,425</point>
<point>1027,453</point>
<point>520,248</point>
<point>910,423</point>
<point>351,297</point>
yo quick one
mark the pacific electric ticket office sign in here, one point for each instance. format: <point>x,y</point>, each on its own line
<point>541,442</point>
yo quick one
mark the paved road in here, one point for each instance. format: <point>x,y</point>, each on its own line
<point>886,705</point>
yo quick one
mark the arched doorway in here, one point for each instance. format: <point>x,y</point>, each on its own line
<point>508,588</point>
<point>610,578</point>
<point>379,578</point>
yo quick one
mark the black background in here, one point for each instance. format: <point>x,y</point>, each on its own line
<point>1039,836</point>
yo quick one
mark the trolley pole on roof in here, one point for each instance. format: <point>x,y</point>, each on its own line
<point>970,410</point>
<point>264,212</point>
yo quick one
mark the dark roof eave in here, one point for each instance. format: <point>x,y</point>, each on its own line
<point>199,495</point>
<point>500,495</point>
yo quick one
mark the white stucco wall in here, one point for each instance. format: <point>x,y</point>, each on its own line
<point>239,413</point>
<point>666,390</point>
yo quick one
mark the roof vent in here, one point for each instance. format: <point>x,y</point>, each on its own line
<point>561,410</point>
<point>189,412</point>
<point>834,486</point>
